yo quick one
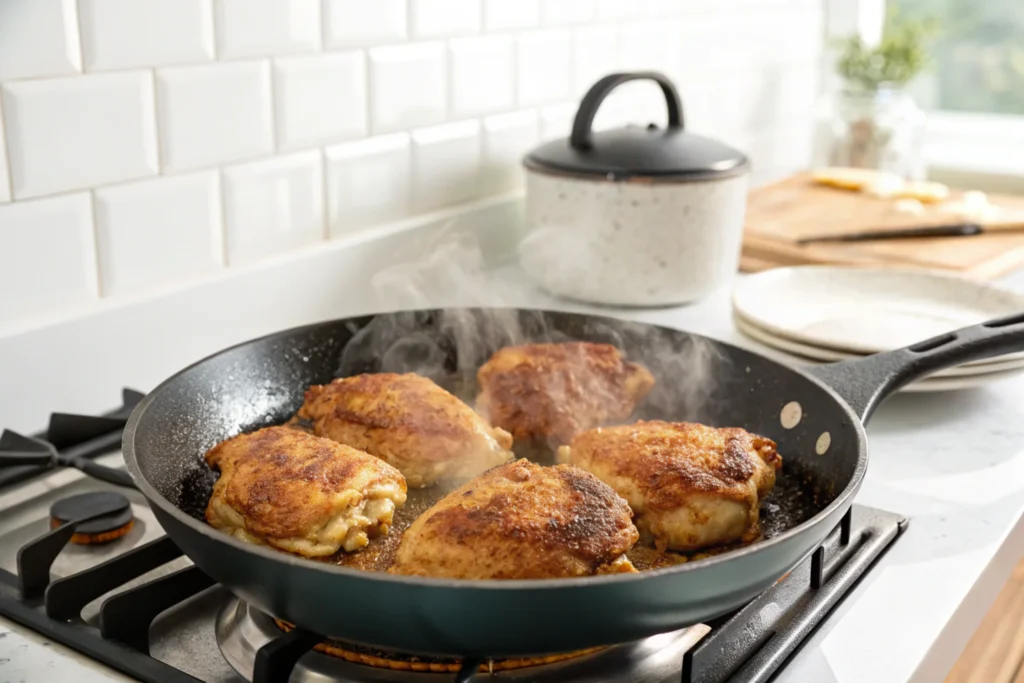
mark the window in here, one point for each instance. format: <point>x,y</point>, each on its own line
<point>978,56</point>
<point>973,90</point>
<point>974,87</point>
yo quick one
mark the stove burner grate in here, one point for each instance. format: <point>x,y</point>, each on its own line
<point>749,645</point>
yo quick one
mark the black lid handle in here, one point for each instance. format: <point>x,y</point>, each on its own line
<point>581,127</point>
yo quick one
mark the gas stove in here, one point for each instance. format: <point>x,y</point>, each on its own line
<point>84,562</point>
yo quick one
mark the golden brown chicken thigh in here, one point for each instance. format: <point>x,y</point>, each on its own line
<point>690,486</point>
<point>301,493</point>
<point>551,392</point>
<point>521,521</point>
<point>409,422</point>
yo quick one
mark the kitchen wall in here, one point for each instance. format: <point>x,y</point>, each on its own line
<point>154,144</point>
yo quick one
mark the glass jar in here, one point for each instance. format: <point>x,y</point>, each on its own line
<point>879,129</point>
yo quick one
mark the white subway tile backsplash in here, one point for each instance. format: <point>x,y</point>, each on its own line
<point>254,28</point>
<point>408,86</point>
<point>273,206</point>
<point>652,44</point>
<point>507,138</point>
<point>794,149</point>
<point>52,257</point>
<point>158,232</point>
<point>319,99</point>
<point>70,133</point>
<point>594,55</point>
<point>797,91</point>
<point>5,180</point>
<point>482,75</point>
<point>446,163</point>
<point>213,114</point>
<point>612,10</point>
<point>368,183</point>
<point>660,9</point>
<point>259,112</point>
<point>358,23</point>
<point>38,38</point>
<point>699,104</point>
<point>561,12</point>
<point>123,34</point>
<point>545,67</point>
<point>441,18</point>
<point>556,121</point>
<point>507,15</point>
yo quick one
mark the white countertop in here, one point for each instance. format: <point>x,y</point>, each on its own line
<point>952,462</point>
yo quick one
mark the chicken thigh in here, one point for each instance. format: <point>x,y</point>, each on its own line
<point>521,521</point>
<point>690,486</point>
<point>551,392</point>
<point>409,422</point>
<point>300,493</point>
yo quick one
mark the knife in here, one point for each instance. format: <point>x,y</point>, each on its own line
<point>949,230</point>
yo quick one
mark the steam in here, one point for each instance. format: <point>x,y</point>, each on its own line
<point>452,316</point>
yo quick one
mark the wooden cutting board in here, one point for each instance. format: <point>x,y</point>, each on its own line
<point>780,214</point>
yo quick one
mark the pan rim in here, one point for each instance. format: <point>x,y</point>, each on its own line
<point>154,497</point>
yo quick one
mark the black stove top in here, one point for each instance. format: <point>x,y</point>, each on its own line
<point>147,579</point>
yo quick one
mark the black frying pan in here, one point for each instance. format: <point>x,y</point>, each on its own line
<point>262,382</point>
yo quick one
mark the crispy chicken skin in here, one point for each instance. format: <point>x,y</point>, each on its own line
<point>551,392</point>
<point>690,486</point>
<point>300,493</point>
<point>410,423</point>
<point>521,521</point>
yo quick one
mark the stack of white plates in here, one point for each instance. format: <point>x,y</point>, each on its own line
<point>823,314</point>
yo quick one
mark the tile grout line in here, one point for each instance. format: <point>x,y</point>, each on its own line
<point>449,73</point>
<point>325,201</point>
<point>215,28</point>
<point>6,161</point>
<point>97,261</point>
<point>275,138</point>
<point>222,243</point>
<point>156,124</point>
<point>324,16</point>
<point>368,90</point>
<point>78,30</point>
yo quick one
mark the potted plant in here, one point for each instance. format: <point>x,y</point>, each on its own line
<point>876,123</point>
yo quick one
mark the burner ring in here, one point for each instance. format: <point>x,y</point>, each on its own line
<point>383,659</point>
<point>242,630</point>
<point>115,518</point>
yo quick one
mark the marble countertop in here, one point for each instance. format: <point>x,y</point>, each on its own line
<point>952,462</point>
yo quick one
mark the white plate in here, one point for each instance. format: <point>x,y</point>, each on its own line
<point>957,383</point>
<point>935,382</point>
<point>867,310</point>
<point>817,354</point>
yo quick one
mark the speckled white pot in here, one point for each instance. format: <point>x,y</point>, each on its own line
<point>632,243</point>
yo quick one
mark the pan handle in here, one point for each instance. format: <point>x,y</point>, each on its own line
<point>864,382</point>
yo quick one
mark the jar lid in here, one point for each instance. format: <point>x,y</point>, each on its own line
<point>635,152</point>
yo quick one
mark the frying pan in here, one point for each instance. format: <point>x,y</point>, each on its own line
<point>261,382</point>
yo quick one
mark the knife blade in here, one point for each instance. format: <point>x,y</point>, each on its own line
<point>951,230</point>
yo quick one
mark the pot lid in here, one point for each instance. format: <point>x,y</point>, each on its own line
<point>635,152</point>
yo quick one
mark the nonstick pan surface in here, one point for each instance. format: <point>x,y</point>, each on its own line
<point>261,382</point>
